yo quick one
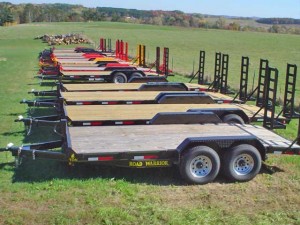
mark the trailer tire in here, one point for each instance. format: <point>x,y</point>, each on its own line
<point>200,165</point>
<point>241,163</point>
<point>233,118</point>
<point>136,74</point>
<point>119,77</point>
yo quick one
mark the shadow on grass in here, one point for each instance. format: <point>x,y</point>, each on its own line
<point>49,84</point>
<point>45,170</point>
<point>13,134</point>
<point>7,166</point>
<point>15,114</point>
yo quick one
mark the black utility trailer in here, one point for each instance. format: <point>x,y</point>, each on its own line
<point>200,151</point>
<point>121,75</point>
<point>93,87</point>
<point>131,97</point>
<point>117,115</point>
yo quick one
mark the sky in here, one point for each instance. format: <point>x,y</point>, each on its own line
<point>245,8</point>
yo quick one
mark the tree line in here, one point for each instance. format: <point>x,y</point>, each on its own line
<point>285,21</point>
<point>29,13</point>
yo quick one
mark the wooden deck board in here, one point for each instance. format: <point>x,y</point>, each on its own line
<point>116,87</point>
<point>132,112</point>
<point>157,137</point>
<point>127,96</point>
<point>110,96</point>
<point>86,73</point>
<point>102,87</point>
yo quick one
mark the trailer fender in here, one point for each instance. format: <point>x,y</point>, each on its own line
<point>227,115</point>
<point>238,116</point>
<point>221,144</point>
<point>184,118</point>
<point>163,86</point>
<point>184,98</point>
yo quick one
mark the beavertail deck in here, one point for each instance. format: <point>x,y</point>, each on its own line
<point>143,138</point>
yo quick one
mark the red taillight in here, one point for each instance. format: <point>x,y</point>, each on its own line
<point>106,158</point>
<point>150,157</point>
<point>96,123</point>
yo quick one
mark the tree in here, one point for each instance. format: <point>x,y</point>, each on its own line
<point>220,23</point>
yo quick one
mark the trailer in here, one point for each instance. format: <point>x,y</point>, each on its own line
<point>93,87</point>
<point>111,115</point>
<point>87,70</point>
<point>130,98</point>
<point>200,151</point>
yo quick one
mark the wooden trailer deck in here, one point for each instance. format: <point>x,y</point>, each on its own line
<point>85,60</point>
<point>131,112</point>
<point>119,87</point>
<point>95,67</point>
<point>130,96</point>
<point>143,138</point>
<point>146,112</point>
<point>96,73</point>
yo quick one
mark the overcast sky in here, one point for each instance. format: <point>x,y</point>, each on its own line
<point>246,8</point>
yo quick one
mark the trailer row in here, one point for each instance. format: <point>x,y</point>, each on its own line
<point>82,67</point>
<point>172,126</point>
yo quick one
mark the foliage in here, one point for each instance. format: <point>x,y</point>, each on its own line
<point>6,15</point>
<point>28,13</point>
<point>278,21</point>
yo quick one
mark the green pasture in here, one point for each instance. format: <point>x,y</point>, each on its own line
<point>49,192</point>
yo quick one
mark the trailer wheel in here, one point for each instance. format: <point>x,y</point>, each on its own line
<point>233,118</point>
<point>200,165</point>
<point>119,78</point>
<point>241,163</point>
<point>136,74</point>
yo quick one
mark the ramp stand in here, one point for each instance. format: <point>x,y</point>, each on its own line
<point>263,68</point>
<point>157,62</point>
<point>217,72</point>
<point>269,101</point>
<point>242,94</point>
<point>224,74</point>
<point>264,64</point>
<point>166,62</point>
<point>289,94</point>
<point>244,78</point>
<point>200,71</point>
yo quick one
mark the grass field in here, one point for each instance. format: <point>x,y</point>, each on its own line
<point>49,192</point>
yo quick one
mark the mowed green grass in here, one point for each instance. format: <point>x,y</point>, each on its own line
<point>49,192</point>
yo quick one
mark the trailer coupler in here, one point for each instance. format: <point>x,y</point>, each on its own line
<point>30,152</point>
<point>40,103</point>
<point>47,77</point>
<point>43,93</point>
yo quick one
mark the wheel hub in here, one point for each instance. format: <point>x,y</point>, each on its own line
<point>201,166</point>
<point>243,164</point>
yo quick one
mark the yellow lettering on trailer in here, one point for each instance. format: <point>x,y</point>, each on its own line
<point>157,163</point>
<point>135,164</point>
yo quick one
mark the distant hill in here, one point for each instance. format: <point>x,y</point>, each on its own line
<point>28,13</point>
